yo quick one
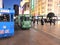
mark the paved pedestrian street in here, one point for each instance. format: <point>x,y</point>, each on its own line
<point>37,35</point>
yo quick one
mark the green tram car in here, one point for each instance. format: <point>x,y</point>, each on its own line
<point>24,21</point>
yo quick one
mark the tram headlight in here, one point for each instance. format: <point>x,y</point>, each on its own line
<point>4,27</point>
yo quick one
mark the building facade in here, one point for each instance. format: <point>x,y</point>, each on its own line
<point>43,7</point>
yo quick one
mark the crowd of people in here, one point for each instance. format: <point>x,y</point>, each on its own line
<point>42,20</point>
<point>49,19</point>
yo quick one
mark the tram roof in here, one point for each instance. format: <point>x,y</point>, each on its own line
<point>7,11</point>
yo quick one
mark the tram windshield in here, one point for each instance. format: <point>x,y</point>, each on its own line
<point>4,18</point>
<point>27,18</point>
<point>21,18</point>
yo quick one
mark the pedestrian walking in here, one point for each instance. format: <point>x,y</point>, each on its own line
<point>50,20</point>
<point>33,20</point>
<point>54,19</point>
<point>42,21</point>
<point>36,19</point>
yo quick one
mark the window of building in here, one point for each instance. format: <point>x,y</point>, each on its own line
<point>49,9</point>
<point>42,7</point>
<point>59,2</point>
<point>50,0</point>
<point>49,4</point>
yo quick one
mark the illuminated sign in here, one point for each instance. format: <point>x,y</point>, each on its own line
<point>4,11</point>
<point>32,4</point>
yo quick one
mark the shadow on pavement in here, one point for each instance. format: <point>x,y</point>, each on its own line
<point>4,38</point>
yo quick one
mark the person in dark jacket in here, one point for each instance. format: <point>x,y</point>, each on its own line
<point>50,21</point>
<point>34,20</point>
<point>42,21</point>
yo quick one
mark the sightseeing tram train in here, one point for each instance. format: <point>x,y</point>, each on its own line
<point>6,22</point>
<point>24,21</point>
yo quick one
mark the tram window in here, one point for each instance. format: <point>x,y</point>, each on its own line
<point>21,18</point>
<point>4,18</point>
<point>1,18</point>
<point>27,18</point>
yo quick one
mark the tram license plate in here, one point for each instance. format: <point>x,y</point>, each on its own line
<point>6,31</point>
<point>1,31</point>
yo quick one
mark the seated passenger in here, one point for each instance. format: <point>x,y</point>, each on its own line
<point>5,18</point>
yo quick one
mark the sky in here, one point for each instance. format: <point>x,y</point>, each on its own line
<point>10,3</point>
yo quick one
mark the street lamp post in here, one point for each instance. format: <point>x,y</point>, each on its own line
<point>58,13</point>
